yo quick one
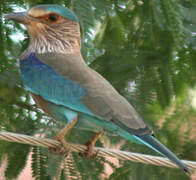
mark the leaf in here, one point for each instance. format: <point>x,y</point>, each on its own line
<point>39,163</point>
<point>17,160</point>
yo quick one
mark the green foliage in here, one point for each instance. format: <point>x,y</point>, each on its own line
<point>49,166</point>
<point>39,164</point>
<point>122,173</point>
<point>146,49</point>
<point>15,165</point>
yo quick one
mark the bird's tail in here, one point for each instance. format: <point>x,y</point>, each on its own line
<point>154,144</point>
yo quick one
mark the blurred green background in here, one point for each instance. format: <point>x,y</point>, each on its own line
<point>146,49</point>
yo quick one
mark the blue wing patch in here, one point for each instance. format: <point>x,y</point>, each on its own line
<point>41,79</point>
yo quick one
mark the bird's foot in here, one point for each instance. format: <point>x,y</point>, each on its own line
<point>90,147</point>
<point>89,153</point>
<point>65,148</point>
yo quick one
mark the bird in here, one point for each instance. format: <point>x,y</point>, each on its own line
<point>68,90</point>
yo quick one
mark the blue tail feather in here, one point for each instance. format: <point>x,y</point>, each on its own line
<point>154,144</point>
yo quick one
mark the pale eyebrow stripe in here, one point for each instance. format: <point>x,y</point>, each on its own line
<point>37,12</point>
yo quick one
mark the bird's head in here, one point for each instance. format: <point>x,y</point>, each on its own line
<point>52,28</point>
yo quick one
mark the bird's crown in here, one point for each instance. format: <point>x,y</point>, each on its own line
<point>42,10</point>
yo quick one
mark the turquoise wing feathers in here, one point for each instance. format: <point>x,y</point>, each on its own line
<point>41,79</point>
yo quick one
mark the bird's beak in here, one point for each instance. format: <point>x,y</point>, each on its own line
<point>20,17</point>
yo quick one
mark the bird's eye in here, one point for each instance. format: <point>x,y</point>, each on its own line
<point>53,17</point>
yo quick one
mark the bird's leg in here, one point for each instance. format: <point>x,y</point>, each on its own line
<point>90,145</point>
<point>61,138</point>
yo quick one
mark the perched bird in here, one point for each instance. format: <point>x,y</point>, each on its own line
<point>65,88</point>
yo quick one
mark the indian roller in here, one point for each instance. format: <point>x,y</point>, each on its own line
<point>66,89</point>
